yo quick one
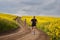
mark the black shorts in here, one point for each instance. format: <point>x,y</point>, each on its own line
<point>33,25</point>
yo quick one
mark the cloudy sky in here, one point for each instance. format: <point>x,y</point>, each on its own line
<point>31,7</point>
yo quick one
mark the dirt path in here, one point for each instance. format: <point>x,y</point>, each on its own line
<point>30,36</point>
<point>39,35</point>
<point>23,34</point>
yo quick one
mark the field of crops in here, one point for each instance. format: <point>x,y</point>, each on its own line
<point>7,16</point>
<point>7,23</point>
<point>50,25</point>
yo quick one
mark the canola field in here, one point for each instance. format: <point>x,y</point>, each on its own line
<point>7,16</point>
<point>50,25</point>
<point>7,23</point>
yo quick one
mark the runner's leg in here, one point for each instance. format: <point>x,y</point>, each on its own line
<point>34,30</point>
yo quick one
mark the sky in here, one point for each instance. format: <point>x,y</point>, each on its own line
<point>31,7</point>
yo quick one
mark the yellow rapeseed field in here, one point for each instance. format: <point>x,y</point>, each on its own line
<point>50,25</point>
<point>8,16</point>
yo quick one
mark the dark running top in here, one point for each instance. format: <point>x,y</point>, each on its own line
<point>34,22</point>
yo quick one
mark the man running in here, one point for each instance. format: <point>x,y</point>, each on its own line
<point>34,21</point>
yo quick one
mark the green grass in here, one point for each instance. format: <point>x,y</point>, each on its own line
<point>6,25</point>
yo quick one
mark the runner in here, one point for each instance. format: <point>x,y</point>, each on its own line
<point>25,23</point>
<point>34,21</point>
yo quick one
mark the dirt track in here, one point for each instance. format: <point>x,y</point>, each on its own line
<point>25,34</point>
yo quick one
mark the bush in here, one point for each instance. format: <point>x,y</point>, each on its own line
<point>6,25</point>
